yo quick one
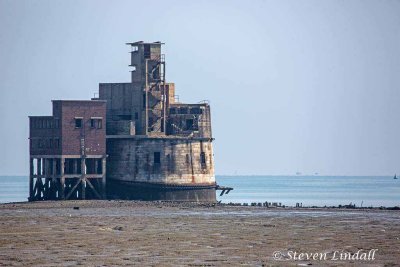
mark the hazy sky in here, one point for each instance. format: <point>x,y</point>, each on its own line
<point>308,86</point>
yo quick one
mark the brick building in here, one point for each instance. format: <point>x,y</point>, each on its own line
<point>68,151</point>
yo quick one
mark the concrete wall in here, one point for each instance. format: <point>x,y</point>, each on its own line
<point>138,60</point>
<point>124,102</point>
<point>132,159</point>
<point>122,127</point>
<point>198,115</point>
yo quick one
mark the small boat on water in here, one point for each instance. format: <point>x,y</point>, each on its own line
<point>395,177</point>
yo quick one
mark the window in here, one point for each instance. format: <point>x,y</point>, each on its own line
<point>78,122</point>
<point>136,116</point>
<point>146,51</point>
<point>96,123</point>
<point>157,158</point>
<point>203,158</point>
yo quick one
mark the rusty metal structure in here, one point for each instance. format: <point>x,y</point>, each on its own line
<point>157,148</point>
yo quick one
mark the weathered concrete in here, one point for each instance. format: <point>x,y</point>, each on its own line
<point>172,144</point>
<point>181,160</point>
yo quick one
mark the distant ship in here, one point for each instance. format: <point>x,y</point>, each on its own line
<point>395,177</point>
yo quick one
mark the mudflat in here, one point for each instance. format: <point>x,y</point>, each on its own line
<point>126,233</point>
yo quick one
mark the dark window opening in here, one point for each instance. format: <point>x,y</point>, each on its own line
<point>72,166</point>
<point>136,116</point>
<point>203,158</point>
<point>96,123</point>
<point>78,123</point>
<point>157,158</point>
<point>146,51</point>
<point>172,110</point>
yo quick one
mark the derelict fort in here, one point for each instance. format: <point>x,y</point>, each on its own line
<point>133,141</point>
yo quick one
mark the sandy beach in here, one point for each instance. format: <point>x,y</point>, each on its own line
<point>126,233</point>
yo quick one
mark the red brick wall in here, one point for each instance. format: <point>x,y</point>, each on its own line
<point>44,136</point>
<point>95,139</point>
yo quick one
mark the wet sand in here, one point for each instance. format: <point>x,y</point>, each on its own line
<point>124,233</point>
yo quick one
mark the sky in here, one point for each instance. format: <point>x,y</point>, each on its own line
<point>294,86</point>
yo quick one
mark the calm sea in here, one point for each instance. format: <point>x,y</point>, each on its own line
<point>369,191</point>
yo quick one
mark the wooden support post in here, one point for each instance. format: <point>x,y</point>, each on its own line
<point>31,170</point>
<point>39,166</point>
<point>46,186</point>
<point>83,179</point>
<point>54,178</point>
<point>103,177</point>
<point>40,187</point>
<point>62,178</point>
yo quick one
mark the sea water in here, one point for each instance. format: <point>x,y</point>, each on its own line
<point>363,191</point>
